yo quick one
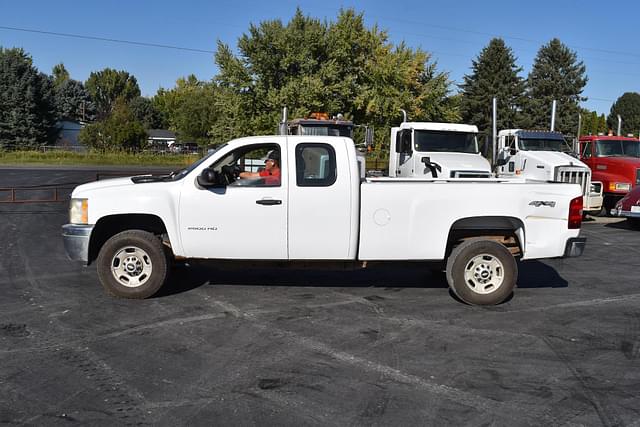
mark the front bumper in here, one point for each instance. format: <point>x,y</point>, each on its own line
<point>76,241</point>
<point>575,247</point>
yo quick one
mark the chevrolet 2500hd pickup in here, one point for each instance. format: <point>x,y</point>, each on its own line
<point>315,207</point>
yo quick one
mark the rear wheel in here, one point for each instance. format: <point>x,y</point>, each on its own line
<point>482,272</point>
<point>133,264</point>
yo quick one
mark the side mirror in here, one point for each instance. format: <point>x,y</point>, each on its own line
<point>210,178</point>
<point>503,156</point>
<point>512,151</point>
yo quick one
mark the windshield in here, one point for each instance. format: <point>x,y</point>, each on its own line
<point>326,130</point>
<point>617,148</point>
<point>184,172</point>
<point>443,141</point>
<point>538,144</point>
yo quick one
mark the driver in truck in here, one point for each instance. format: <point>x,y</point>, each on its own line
<point>271,172</point>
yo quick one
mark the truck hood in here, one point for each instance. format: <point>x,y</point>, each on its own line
<point>458,161</point>
<point>90,187</point>
<point>616,161</point>
<point>552,159</point>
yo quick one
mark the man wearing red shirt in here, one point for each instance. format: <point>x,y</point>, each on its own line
<point>271,172</point>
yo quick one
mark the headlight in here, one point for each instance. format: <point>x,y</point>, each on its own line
<point>79,211</point>
<point>619,186</point>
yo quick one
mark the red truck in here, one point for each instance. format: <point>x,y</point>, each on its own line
<point>615,161</point>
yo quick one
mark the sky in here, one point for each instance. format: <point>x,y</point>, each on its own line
<point>605,38</point>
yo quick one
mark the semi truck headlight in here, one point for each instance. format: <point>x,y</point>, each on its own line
<point>79,211</point>
<point>619,186</point>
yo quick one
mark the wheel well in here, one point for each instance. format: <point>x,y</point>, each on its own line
<point>505,230</point>
<point>113,224</point>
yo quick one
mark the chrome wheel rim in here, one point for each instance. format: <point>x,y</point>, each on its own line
<point>131,267</point>
<point>484,274</point>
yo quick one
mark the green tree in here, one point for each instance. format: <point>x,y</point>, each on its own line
<point>107,85</point>
<point>556,74</point>
<point>192,108</point>
<point>146,113</point>
<point>494,75</point>
<point>73,101</point>
<point>592,124</point>
<point>119,131</point>
<point>628,107</point>
<point>60,74</point>
<point>337,67</point>
<point>27,111</point>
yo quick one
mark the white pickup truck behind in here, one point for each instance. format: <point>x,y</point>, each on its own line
<point>318,209</point>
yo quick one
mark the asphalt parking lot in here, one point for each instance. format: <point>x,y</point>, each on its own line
<point>263,346</point>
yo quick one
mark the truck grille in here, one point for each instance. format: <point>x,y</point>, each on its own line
<point>470,174</point>
<point>576,175</point>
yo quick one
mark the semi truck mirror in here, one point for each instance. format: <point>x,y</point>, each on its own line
<point>501,161</point>
<point>368,137</point>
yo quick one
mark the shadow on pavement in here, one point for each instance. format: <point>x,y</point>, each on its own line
<point>536,274</point>
<point>624,225</point>
<point>186,278</point>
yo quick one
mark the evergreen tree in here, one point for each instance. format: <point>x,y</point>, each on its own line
<point>628,107</point>
<point>60,74</point>
<point>108,85</point>
<point>494,75</point>
<point>27,112</point>
<point>556,75</point>
<point>592,124</point>
<point>73,101</point>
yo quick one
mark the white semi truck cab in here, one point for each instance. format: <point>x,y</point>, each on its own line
<point>309,204</point>
<point>437,150</point>
<point>545,156</point>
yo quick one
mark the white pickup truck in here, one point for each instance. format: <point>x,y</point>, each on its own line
<point>318,208</point>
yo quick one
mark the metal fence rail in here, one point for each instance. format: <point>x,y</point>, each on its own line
<point>35,195</point>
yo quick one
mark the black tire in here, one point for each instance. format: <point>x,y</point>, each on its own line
<point>133,264</point>
<point>482,272</point>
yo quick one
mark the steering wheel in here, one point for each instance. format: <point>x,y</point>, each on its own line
<point>231,173</point>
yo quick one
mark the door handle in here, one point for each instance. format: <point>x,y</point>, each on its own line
<point>269,202</point>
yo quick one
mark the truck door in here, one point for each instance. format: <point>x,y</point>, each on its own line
<point>247,219</point>
<point>323,214</point>
<point>404,148</point>
<point>508,150</point>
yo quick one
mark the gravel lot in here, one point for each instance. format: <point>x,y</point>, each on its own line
<point>262,346</point>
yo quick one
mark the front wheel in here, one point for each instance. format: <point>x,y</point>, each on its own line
<point>132,264</point>
<point>482,272</point>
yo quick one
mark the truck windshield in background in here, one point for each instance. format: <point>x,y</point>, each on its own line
<point>540,144</point>
<point>445,141</point>
<point>617,148</point>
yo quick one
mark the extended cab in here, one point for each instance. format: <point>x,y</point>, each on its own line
<point>317,208</point>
